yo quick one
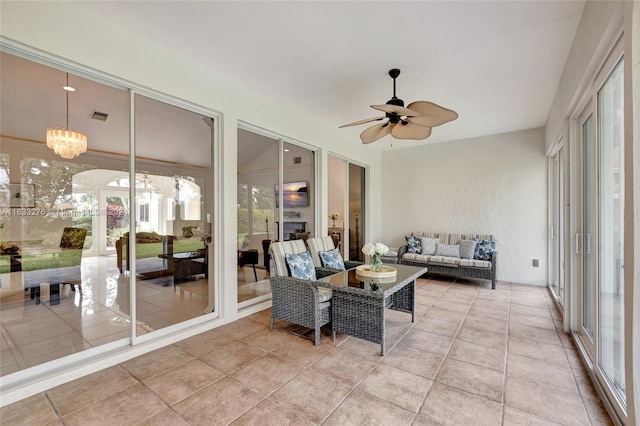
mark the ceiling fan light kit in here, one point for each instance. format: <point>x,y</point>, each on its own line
<point>411,122</point>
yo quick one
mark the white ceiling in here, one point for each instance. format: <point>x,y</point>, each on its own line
<point>496,63</point>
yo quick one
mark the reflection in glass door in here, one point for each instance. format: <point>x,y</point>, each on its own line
<point>557,225</point>
<point>611,357</point>
<point>115,222</point>
<point>257,179</point>
<point>588,223</point>
<point>298,195</point>
<point>171,214</point>
<point>356,211</point>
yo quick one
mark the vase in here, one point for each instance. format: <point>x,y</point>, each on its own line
<point>376,264</point>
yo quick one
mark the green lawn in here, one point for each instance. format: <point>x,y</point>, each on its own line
<point>32,262</point>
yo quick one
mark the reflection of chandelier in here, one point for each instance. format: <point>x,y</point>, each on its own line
<point>65,142</point>
<point>146,181</point>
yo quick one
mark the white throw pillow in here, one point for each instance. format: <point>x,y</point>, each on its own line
<point>467,248</point>
<point>428,245</point>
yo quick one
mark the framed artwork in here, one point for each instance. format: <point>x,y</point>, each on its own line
<point>22,195</point>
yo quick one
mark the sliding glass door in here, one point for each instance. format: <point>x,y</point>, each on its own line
<point>346,206</point>
<point>74,220</point>
<point>611,231</point>
<point>556,233</point>
<point>257,177</point>
<point>171,214</point>
<point>600,237</point>
<point>276,202</point>
<point>584,239</point>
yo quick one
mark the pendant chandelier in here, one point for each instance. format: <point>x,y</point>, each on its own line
<point>65,142</point>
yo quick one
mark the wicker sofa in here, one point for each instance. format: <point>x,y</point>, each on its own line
<point>482,265</point>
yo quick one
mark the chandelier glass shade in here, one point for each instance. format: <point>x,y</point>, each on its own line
<point>65,142</point>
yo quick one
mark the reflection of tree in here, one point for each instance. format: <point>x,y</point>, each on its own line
<point>4,179</point>
<point>53,179</point>
<point>263,198</point>
<point>117,219</point>
<point>262,201</point>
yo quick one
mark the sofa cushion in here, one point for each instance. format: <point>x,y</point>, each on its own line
<point>484,249</point>
<point>332,259</point>
<point>417,257</point>
<point>428,245</point>
<point>475,263</point>
<point>301,266</point>
<point>467,248</point>
<point>413,244</point>
<point>325,294</point>
<point>448,250</point>
<point>445,261</point>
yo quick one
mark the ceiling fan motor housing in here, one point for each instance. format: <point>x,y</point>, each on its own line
<point>392,116</point>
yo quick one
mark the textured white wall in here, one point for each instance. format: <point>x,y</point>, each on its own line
<point>490,185</point>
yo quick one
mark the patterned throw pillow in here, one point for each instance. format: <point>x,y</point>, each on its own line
<point>301,266</point>
<point>467,248</point>
<point>484,250</point>
<point>428,245</point>
<point>413,244</point>
<point>448,250</point>
<point>332,259</point>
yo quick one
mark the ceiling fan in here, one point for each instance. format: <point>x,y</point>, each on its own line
<point>413,122</point>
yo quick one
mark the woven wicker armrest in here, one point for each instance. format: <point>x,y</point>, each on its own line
<point>401,251</point>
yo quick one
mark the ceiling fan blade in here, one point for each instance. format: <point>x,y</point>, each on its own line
<point>410,131</point>
<point>395,108</point>
<point>374,133</point>
<point>368,120</point>
<point>430,114</point>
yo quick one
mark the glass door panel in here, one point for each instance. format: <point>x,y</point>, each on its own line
<point>171,214</point>
<point>588,223</point>
<point>298,195</point>
<point>356,211</point>
<point>44,318</point>
<point>116,221</point>
<point>611,231</point>
<point>338,213</point>
<point>258,172</point>
<point>557,228</point>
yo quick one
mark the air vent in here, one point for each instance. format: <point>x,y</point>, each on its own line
<point>99,116</point>
<point>297,160</point>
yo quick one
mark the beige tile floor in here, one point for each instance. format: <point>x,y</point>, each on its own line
<point>31,334</point>
<point>473,357</point>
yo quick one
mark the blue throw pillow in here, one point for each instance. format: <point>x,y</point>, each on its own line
<point>484,250</point>
<point>413,244</point>
<point>332,259</point>
<point>301,266</point>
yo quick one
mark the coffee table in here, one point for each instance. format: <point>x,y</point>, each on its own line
<point>182,265</point>
<point>358,307</point>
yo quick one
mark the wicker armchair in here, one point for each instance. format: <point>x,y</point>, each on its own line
<point>318,244</point>
<point>295,300</point>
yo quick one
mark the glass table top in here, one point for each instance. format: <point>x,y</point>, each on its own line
<point>351,279</point>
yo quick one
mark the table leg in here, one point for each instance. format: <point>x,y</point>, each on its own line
<point>54,294</point>
<point>34,292</point>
